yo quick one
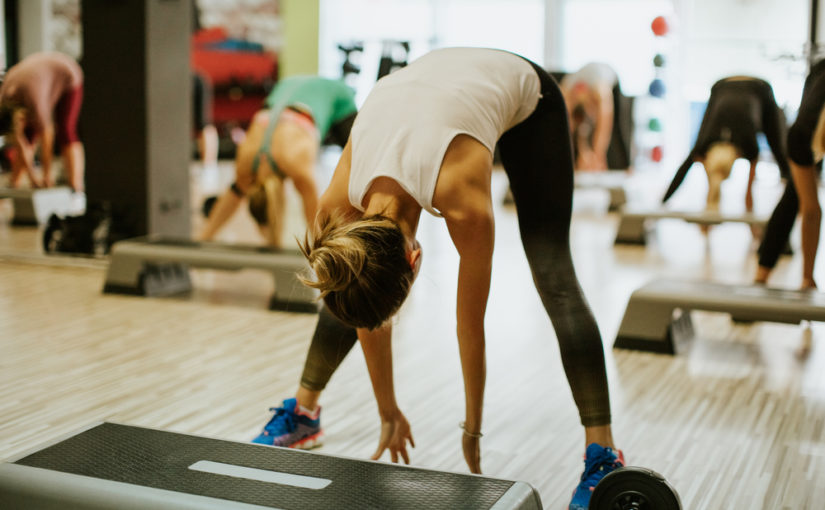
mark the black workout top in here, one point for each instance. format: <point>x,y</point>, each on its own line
<point>738,109</point>
<point>801,132</point>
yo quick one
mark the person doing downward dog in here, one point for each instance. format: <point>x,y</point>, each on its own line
<point>739,107</point>
<point>40,102</point>
<point>423,141</point>
<point>806,147</point>
<point>282,142</point>
<point>589,95</point>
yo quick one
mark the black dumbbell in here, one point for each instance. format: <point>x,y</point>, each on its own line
<point>634,488</point>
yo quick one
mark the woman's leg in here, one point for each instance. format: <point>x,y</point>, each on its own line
<point>74,157</point>
<point>715,179</point>
<point>67,112</point>
<point>804,178</point>
<point>538,159</point>
<point>331,343</point>
<point>297,423</point>
<point>777,231</point>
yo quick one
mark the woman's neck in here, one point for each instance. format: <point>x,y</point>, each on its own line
<point>387,198</point>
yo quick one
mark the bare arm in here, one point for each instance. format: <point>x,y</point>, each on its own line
<point>749,189</point>
<point>298,163</point>
<point>309,196</point>
<point>229,202</point>
<point>604,124</point>
<point>395,431</point>
<point>25,150</point>
<point>224,208</point>
<point>473,236</point>
<point>46,151</point>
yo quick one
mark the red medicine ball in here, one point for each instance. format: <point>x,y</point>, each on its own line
<point>659,25</point>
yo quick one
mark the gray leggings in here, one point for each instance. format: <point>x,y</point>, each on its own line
<point>537,157</point>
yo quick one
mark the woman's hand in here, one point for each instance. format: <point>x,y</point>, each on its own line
<point>472,452</point>
<point>395,432</point>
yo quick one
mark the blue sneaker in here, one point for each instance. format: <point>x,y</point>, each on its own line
<point>598,461</point>
<point>291,428</point>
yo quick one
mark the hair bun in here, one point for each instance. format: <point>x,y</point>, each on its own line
<point>336,258</point>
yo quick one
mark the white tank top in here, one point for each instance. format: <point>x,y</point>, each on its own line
<point>411,116</point>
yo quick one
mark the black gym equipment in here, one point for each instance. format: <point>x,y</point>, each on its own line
<point>129,468</point>
<point>394,56</point>
<point>348,67</point>
<point>90,233</point>
<point>125,467</point>
<point>634,488</point>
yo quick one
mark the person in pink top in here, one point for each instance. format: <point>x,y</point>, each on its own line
<point>40,101</point>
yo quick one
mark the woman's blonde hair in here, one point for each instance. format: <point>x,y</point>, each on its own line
<point>266,206</point>
<point>720,158</point>
<point>360,267</point>
<point>718,164</point>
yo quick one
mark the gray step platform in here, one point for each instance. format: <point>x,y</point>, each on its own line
<point>34,206</point>
<point>657,317</point>
<point>157,266</point>
<point>634,222</point>
<point>612,181</point>
<point>125,468</point>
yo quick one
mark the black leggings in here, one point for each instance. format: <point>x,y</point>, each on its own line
<point>778,229</point>
<point>800,135</point>
<point>538,159</point>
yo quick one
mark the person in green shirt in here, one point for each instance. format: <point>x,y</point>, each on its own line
<point>282,142</point>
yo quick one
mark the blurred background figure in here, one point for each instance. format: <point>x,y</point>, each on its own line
<point>591,94</point>
<point>40,102</point>
<point>739,108</point>
<point>283,141</point>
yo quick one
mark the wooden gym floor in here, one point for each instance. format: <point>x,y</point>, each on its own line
<point>736,422</point>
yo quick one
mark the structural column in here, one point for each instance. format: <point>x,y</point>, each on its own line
<point>299,54</point>
<point>136,117</point>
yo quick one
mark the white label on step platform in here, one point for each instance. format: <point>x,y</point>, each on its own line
<point>261,475</point>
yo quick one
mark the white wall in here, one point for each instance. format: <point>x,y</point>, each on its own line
<point>763,38</point>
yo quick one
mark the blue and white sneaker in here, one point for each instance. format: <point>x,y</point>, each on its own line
<point>291,428</point>
<point>598,461</point>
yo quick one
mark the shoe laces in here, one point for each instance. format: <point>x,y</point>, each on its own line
<point>598,466</point>
<point>282,422</point>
